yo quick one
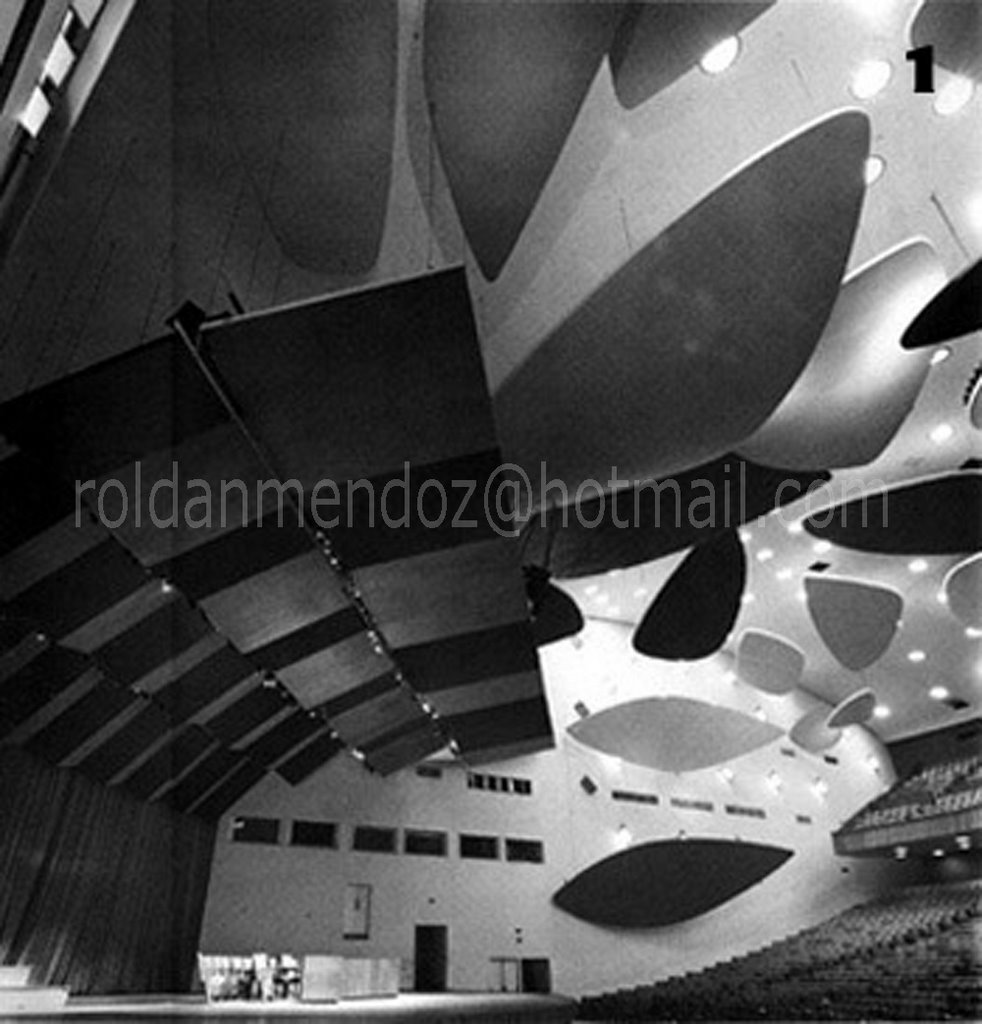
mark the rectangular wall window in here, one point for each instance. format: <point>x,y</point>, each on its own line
<point>256,830</point>
<point>746,812</point>
<point>314,833</point>
<point>479,847</point>
<point>371,839</point>
<point>428,771</point>
<point>528,850</point>
<point>425,843</point>
<point>635,798</point>
<point>692,805</point>
<point>357,915</point>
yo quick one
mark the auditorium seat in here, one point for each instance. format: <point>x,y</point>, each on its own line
<point>913,955</point>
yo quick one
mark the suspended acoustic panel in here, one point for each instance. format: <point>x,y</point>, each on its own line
<point>310,96</point>
<point>853,710</point>
<point>555,615</point>
<point>768,662</point>
<point>505,81</point>
<point>661,883</point>
<point>812,733</point>
<point>963,589</point>
<point>657,43</point>
<point>954,29</point>
<point>954,312</point>
<point>690,345</point>
<point>857,620</point>
<point>662,516</point>
<point>673,734</point>
<point>860,384</point>
<point>932,517</point>
<point>694,611</point>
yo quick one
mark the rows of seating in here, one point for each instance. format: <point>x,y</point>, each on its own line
<point>915,955</point>
<point>939,789</point>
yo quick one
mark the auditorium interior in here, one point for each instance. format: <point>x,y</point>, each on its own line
<point>491,520</point>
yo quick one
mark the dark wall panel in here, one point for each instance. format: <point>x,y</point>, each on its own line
<point>101,893</point>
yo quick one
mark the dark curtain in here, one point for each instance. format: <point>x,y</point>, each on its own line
<point>98,891</point>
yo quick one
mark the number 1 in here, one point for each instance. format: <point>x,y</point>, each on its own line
<point>923,61</point>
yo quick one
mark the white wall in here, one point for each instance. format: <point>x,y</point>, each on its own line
<point>286,898</point>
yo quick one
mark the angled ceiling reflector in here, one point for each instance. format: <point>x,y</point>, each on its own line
<point>505,82</point>
<point>657,43</point>
<point>812,733</point>
<point>853,710</point>
<point>662,883</point>
<point>679,380</point>
<point>768,662</point>
<point>857,620</point>
<point>931,517</point>
<point>953,313</point>
<point>963,589</point>
<point>311,96</point>
<point>693,613</point>
<point>673,734</point>
<point>954,29</point>
<point>860,384</point>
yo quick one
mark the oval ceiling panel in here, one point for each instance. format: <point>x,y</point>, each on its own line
<point>854,710</point>
<point>657,43</point>
<point>963,589</point>
<point>860,384</point>
<point>710,579</point>
<point>310,94</point>
<point>932,517</point>
<point>954,29</point>
<point>505,82</point>
<point>673,734</point>
<point>661,883</point>
<point>811,731</point>
<point>690,345</point>
<point>857,620</point>
<point>768,662</point>
<point>954,312</point>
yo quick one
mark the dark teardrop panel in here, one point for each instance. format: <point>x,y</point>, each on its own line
<point>662,883</point>
<point>955,311</point>
<point>695,610</point>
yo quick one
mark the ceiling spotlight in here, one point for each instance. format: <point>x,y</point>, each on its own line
<point>801,595</point>
<point>748,598</point>
<point>783,574</point>
<point>938,852</point>
<point>721,56</point>
<point>822,547</point>
<point>963,842</point>
<point>820,787</point>
<point>942,432</point>
<point>916,656</point>
<point>881,711</point>
<point>765,555</point>
<point>796,527</point>
<point>774,780</point>
<point>973,632</point>
<point>873,169</point>
<point>357,754</point>
<point>760,714</point>
<point>622,837</point>
<point>953,95</point>
<point>918,565</point>
<point>641,592</point>
<point>938,693</point>
<point>726,774</point>
<point>942,597</point>
<point>746,536</point>
<point>939,355</point>
<point>870,78</point>
<point>900,852</point>
<point>590,590</point>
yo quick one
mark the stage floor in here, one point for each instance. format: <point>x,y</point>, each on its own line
<point>466,1008</point>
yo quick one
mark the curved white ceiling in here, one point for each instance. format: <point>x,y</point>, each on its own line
<point>860,384</point>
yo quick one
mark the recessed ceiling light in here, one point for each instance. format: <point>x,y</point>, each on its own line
<point>918,565</point>
<point>641,592</point>
<point>783,574</point>
<point>870,78</point>
<point>721,56</point>
<point>973,632</point>
<point>622,837</point>
<point>939,355</point>
<point>942,432</point>
<point>35,113</point>
<point>764,555</point>
<point>802,595</point>
<point>939,852</point>
<point>900,852</point>
<point>796,527</point>
<point>942,597</point>
<point>873,169</point>
<point>746,536</point>
<point>881,711</point>
<point>822,547</point>
<point>591,590</point>
<point>748,599</point>
<point>760,714</point>
<point>938,693</point>
<point>916,656</point>
<point>953,95</point>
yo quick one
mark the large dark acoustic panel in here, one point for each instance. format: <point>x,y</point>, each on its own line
<point>309,758</point>
<point>659,517</point>
<point>673,734</point>
<point>695,610</point>
<point>954,312</point>
<point>662,883</point>
<point>954,29</point>
<point>38,681</point>
<point>170,762</point>
<point>689,346</point>
<point>505,82</point>
<point>81,720</point>
<point>42,500</point>
<point>311,96</point>
<point>656,43</point>
<point>931,517</point>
